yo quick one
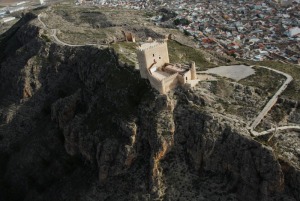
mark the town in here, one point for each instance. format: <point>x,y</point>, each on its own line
<point>260,30</point>
<point>247,30</point>
<point>9,12</point>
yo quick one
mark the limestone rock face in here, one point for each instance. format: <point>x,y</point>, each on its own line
<point>77,125</point>
<point>212,144</point>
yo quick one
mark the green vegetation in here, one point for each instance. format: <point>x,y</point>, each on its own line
<point>80,38</point>
<point>278,114</point>
<point>45,38</point>
<point>126,45</point>
<point>293,90</point>
<point>223,90</point>
<point>126,89</point>
<point>181,22</point>
<point>95,18</point>
<point>264,79</point>
<point>166,133</point>
<point>267,141</point>
<point>149,14</point>
<point>180,54</point>
<point>186,33</point>
<point>125,51</point>
<point>124,59</point>
<point>38,10</point>
<point>8,41</point>
<point>221,87</point>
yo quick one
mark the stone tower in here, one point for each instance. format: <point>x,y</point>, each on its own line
<point>152,54</point>
<point>193,71</point>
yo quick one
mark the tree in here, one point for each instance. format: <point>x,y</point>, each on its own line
<point>186,33</point>
<point>182,21</point>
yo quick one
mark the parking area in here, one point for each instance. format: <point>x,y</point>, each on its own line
<point>235,72</point>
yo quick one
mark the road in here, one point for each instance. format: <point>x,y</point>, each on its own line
<point>39,18</point>
<point>297,128</point>
<point>256,121</point>
<point>53,33</point>
<point>269,105</point>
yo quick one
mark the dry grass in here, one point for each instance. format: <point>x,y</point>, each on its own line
<point>126,52</point>
<point>293,90</point>
<point>184,54</point>
<point>266,80</point>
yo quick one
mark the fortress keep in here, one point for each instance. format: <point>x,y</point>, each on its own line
<point>155,66</point>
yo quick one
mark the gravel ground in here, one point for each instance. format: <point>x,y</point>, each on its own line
<point>236,72</point>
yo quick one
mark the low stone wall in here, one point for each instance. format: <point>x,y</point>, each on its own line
<point>155,83</point>
<point>166,84</point>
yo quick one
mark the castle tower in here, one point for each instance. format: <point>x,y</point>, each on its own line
<point>152,55</point>
<point>193,71</point>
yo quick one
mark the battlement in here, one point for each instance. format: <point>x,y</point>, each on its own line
<point>155,66</point>
<point>147,46</point>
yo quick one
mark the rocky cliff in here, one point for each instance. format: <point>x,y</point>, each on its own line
<point>76,124</point>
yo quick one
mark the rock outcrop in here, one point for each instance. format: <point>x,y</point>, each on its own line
<point>76,124</point>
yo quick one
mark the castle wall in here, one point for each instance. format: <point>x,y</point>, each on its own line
<point>128,36</point>
<point>156,84</point>
<point>150,53</point>
<point>142,64</point>
<point>170,82</point>
<point>165,85</point>
<point>159,54</point>
<point>156,52</point>
<point>180,79</point>
<point>156,55</point>
<point>187,76</point>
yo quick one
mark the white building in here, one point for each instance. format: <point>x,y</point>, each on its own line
<point>2,13</point>
<point>293,32</point>
<point>21,3</point>
<point>8,19</point>
<point>15,9</point>
<point>285,2</point>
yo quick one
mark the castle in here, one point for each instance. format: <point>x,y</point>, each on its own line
<point>155,66</point>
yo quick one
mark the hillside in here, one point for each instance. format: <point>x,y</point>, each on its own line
<point>78,123</point>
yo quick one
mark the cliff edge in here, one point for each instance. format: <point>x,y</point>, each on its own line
<point>76,124</point>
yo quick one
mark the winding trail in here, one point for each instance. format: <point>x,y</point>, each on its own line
<point>255,122</point>
<point>297,128</point>
<point>39,18</point>
<point>53,33</point>
<point>269,105</point>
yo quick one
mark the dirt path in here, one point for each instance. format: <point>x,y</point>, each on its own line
<point>256,121</point>
<point>53,33</point>
<point>269,105</point>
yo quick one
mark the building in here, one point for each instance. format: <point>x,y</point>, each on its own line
<point>295,31</point>
<point>79,2</point>
<point>128,36</point>
<point>2,13</point>
<point>15,9</point>
<point>155,66</point>
<point>8,19</point>
<point>21,3</point>
<point>285,2</point>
